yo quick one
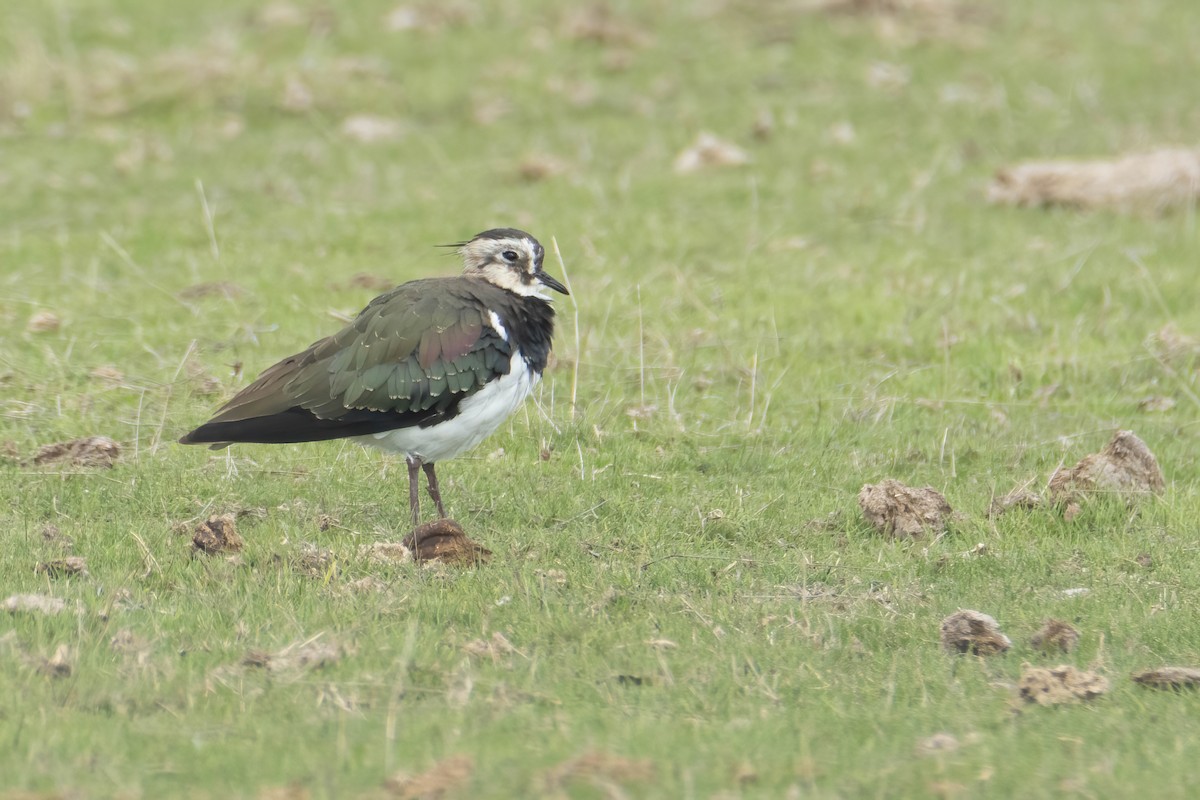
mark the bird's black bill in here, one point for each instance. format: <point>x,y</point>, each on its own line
<point>551,283</point>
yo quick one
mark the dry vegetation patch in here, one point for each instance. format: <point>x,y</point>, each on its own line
<point>386,553</point>
<point>1155,181</point>
<point>90,451</point>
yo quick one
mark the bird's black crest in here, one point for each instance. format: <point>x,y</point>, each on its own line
<point>503,233</point>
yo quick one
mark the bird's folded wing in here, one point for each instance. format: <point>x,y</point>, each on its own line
<point>409,358</point>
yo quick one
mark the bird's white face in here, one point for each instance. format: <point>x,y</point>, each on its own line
<point>512,262</point>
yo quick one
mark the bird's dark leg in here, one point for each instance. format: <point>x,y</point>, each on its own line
<point>434,492</point>
<point>414,494</point>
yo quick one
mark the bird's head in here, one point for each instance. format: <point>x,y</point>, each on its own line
<point>510,259</point>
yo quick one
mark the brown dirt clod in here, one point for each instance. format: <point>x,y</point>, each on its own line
<point>967,631</point>
<point>1061,684</point>
<point>90,451</point>
<point>900,511</point>
<point>444,777</point>
<point>1055,636</point>
<point>444,540</point>
<point>59,567</point>
<point>217,534</point>
<point>1019,497</point>
<point>1153,181</point>
<point>1125,467</point>
<point>1169,678</point>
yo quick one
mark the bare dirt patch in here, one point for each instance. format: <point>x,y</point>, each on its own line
<point>1055,636</point>
<point>217,534</point>
<point>973,632</point>
<point>1125,467</point>
<point>1155,181</point>
<point>90,451</point>
<point>444,540</point>
<point>446,776</point>
<point>900,511</point>
<point>1061,684</point>
<point>1169,678</point>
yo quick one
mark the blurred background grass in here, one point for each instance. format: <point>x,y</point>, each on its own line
<point>194,192</point>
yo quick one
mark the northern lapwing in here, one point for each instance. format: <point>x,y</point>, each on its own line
<point>426,370</point>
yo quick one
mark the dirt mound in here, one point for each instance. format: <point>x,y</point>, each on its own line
<point>1061,684</point>
<point>969,631</point>
<point>900,511</point>
<point>217,534</point>
<point>1125,467</point>
<point>444,540</point>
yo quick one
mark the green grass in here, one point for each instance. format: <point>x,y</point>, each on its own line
<point>760,340</point>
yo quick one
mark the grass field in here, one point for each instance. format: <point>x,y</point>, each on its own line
<point>684,600</point>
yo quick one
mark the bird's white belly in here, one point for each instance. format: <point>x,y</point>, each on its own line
<point>477,417</point>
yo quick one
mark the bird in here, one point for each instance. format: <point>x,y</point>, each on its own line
<point>427,370</point>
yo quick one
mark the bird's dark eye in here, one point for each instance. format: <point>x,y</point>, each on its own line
<point>510,256</point>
